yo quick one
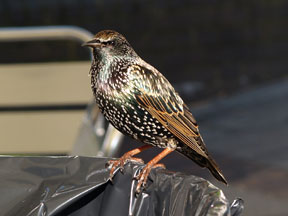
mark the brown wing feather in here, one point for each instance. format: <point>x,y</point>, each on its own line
<point>180,123</point>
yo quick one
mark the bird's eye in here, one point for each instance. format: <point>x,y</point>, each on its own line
<point>109,42</point>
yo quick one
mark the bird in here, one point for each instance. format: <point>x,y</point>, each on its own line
<point>141,103</point>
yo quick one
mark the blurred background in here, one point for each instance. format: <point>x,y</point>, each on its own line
<point>227,59</point>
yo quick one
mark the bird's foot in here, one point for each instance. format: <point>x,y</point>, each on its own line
<point>114,164</point>
<point>143,175</point>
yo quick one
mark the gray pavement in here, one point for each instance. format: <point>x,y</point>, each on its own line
<point>252,125</point>
<point>250,130</point>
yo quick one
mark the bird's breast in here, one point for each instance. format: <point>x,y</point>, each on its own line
<point>130,118</point>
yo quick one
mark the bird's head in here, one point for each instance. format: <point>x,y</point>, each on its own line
<point>109,43</point>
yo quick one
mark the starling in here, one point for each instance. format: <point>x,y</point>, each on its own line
<point>141,103</point>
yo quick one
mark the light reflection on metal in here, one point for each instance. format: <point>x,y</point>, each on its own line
<point>95,129</point>
<point>9,34</point>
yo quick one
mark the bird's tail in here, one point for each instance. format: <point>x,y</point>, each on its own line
<point>215,170</point>
<point>207,162</point>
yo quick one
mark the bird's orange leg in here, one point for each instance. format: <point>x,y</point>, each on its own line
<point>125,158</point>
<point>142,177</point>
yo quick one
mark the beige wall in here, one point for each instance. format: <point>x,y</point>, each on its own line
<point>42,83</point>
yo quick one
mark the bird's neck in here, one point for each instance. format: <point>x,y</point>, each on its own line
<point>107,66</point>
<point>104,69</point>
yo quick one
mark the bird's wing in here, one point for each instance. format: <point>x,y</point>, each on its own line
<point>154,92</point>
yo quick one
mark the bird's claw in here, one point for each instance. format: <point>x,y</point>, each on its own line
<point>120,163</point>
<point>143,176</point>
<point>136,160</point>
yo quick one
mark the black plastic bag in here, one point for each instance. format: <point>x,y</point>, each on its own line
<point>81,186</point>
